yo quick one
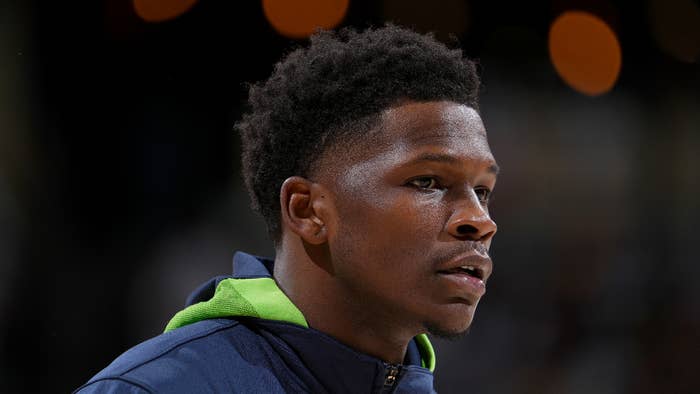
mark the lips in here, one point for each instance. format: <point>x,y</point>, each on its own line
<point>464,278</point>
<point>470,270</point>
<point>473,265</point>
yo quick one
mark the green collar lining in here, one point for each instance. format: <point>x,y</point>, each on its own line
<point>262,298</point>
<point>427,353</point>
<point>259,297</point>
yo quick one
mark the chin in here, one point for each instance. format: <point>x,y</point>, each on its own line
<point>439,331</point>
<point>450,326</point>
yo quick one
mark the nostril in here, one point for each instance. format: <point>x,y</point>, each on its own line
<point>467,229</point>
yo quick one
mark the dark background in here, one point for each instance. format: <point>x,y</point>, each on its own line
<point>120,189</point>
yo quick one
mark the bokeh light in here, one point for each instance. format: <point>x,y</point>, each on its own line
<point>161,10</point>
<point>301,18</point>
<point>675,25</point>
<point>585,52</point>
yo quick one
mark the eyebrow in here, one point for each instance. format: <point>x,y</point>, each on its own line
<point>443,158</point>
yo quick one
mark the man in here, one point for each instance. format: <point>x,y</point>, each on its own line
<point>367,157</point>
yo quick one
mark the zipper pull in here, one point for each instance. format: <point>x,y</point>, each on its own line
<point>392,374</point>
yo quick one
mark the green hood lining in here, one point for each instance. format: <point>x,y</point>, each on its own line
<point>262,298</point>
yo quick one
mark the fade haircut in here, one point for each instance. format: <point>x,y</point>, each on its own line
<point>333,90</point>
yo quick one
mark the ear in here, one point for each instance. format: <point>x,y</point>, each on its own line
<point>301,203</point>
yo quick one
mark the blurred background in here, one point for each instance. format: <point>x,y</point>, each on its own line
<point>120,188</point>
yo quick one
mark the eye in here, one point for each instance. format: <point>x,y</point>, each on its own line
<point>483,194</point>
<point>424,182</point>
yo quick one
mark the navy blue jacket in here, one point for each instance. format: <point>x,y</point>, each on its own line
<point>253,351</point>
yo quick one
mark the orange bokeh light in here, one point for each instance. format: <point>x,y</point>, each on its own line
<point>585,52</point>
<point>301,18</point>
<point>161,10</point>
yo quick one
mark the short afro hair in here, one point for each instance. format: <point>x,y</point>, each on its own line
<point>318,95</point>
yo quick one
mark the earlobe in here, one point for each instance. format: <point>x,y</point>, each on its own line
<point>298,213</point>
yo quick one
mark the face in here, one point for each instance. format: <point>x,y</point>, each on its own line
<point>410,229</point>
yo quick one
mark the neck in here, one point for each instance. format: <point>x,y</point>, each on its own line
<point>307,279</point>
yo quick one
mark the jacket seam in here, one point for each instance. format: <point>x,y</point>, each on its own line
<point>211,331</point>
<point>124,379</point>
<point>280,345</point>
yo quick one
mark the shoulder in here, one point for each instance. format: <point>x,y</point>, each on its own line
<point>207,356</point>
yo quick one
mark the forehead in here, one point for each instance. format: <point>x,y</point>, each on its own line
<point>414,128</point>
<point>408,132</point>
<point>447,124</point>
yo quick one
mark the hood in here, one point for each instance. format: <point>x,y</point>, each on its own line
<point>252,292</point>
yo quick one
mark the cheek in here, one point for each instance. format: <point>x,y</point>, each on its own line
<point>396,229</point>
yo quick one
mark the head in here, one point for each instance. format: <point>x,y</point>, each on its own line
<point>368,150</point>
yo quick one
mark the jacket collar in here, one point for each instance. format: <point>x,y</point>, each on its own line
<point>338,368</point>
<point>252,292</point>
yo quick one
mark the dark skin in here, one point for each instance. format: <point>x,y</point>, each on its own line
<point>366,244</point>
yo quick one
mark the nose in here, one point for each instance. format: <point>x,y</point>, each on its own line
<point>471,221</point>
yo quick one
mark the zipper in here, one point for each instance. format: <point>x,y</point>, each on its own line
<point>391,377</point>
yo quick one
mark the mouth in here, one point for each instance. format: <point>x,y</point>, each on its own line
<point>469,270</point>
<point>465,276</point>
<point>472,265</point>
